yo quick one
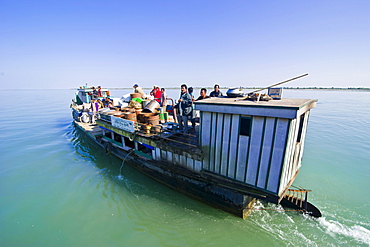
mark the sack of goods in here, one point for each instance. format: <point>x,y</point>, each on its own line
<point>135,104</point>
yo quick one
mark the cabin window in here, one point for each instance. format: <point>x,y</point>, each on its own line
<point>128,143</point>
<point>301,121</point>
<point>245,125</point>
<point>108,134</point>
<point>144,149</point>
<point>117,137</point>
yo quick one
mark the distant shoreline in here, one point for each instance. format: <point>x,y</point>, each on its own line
<point>211,88</point>
<point>256,88</point>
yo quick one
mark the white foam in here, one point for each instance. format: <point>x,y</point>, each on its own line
<point>332,227</point>
<point>283,230</point>
<point>284,226</point>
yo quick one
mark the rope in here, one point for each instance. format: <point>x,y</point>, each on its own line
<point>132,136</point>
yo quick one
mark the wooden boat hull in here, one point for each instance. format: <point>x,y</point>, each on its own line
<point>206,187</point>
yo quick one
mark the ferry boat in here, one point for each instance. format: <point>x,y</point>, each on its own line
<point>243,149</point>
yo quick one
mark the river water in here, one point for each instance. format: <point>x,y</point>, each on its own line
<point>57,188</point>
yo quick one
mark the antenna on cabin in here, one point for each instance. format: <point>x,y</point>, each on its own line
<point>253,92</point>
<point>279,83</point>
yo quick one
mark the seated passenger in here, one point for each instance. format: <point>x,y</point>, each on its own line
<point>101,105</point>
<point>107,102</point>
<point>203,94</point>
<point>216,92</point>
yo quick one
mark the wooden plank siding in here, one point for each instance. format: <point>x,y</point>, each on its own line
<point>176,159</point>
<point>163,155</point>
<point>170,157</point>
<point>303,138</point>
<point>233,146</point>
<point>198,166</point>
<point>257,133</point>
<point>190,163</point>
<point>257,159</point>
<point>218,142</point>
<point>212,145</point>
<point>205,140</point>
<point>289,154</point>
<point>281,132</point>
<point>243,147</point>
<point>156,153</point>
<point>293,157</point>
<point>267,159</point>
<point>225,150</point>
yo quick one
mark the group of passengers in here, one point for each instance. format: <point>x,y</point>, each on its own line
<point>96,94</point>
<point>185,105</point>
<point>158,94</point>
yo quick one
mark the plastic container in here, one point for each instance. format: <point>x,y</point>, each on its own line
<point>152,106</point>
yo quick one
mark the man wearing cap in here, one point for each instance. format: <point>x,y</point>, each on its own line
<point>139,90</point>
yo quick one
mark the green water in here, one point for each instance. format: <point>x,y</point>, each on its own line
<point>57,188</point>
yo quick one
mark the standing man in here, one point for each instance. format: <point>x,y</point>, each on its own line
<point>94,94</point>
<point>139,90</point>
<point>154,89</point>
<point>216,92</point>
<point>99,92</point>
<point>192,117</point>
<point>164,98</point>
<point>185,108</point>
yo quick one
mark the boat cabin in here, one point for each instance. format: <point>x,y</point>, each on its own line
<point>256,143</point>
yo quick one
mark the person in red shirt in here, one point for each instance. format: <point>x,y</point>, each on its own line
<point>158,95</point>
<point>99,92</point>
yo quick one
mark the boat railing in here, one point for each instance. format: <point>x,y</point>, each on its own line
<point>174,136</point>
<point>298,196</point>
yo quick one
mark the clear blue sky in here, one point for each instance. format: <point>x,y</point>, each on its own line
<point>63,44</point>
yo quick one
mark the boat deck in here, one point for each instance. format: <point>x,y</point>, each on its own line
<point>89,128</point>
<point>173,139</point>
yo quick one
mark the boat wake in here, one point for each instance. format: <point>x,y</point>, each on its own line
<point>300,229</point>
<point>338,230</point>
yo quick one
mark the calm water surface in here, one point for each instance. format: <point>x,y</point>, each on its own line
<point>57,188</point>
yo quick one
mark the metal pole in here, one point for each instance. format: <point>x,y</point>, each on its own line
<point>280,83</point>
<point>305,201</point>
